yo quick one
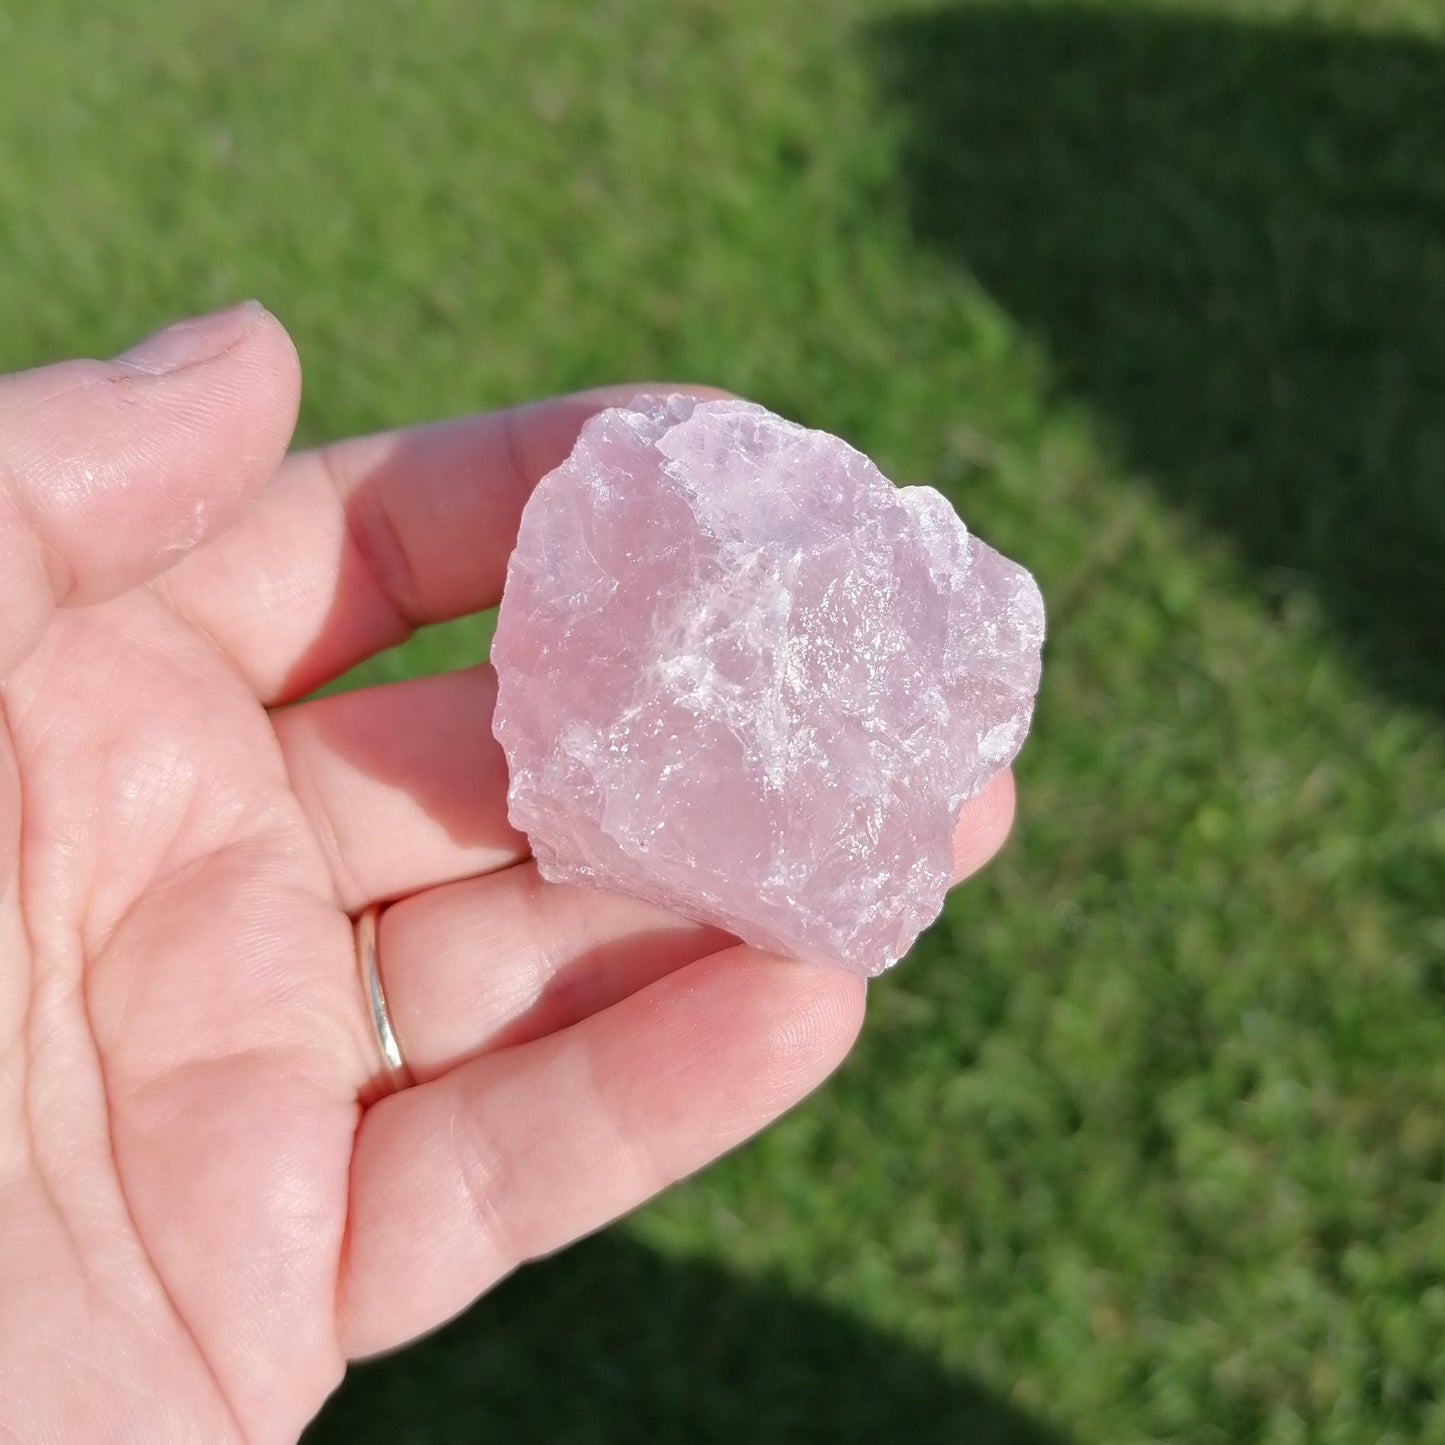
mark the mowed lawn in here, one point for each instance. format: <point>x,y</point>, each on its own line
<point>1146,1140</point>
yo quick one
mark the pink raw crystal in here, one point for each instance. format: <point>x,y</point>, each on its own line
<point>743,675</point>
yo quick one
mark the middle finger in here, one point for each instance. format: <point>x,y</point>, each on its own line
<point>404,784</point>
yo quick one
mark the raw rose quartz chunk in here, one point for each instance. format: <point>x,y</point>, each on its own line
<point>742,674</point>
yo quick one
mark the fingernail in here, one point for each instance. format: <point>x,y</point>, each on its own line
<point>187,343</point>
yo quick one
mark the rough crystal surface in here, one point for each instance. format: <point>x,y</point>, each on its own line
<point>742,674</point>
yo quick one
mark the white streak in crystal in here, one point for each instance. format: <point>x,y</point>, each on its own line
<point>742,674</point>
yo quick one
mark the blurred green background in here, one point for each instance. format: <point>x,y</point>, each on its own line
<point>1146,1141</point>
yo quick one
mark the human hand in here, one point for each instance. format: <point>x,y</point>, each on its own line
<point>208,1201</point>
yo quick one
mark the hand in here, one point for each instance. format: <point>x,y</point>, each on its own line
<point>207,1201</point>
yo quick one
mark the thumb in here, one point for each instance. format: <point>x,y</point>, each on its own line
<point>111,471</point>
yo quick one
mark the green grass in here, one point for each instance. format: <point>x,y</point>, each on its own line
<point>1146,1141</point>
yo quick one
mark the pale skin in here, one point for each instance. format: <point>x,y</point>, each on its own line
<point>208,1202</point>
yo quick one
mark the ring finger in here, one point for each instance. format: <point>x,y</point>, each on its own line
<point>498,960</point>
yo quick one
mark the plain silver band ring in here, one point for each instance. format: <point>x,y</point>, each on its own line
<point>395,1073</point>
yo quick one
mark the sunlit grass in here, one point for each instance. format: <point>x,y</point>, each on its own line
<point>1147,1139</point>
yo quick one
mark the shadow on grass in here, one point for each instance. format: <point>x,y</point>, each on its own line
<point>1232,238</point>
<point>608,1345</point>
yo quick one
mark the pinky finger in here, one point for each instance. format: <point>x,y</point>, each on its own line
<point>519,1152</point>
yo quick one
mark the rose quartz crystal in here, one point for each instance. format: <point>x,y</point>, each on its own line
<point>742,674</point>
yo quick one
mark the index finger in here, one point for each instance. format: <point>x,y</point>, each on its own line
<point>357,544</point>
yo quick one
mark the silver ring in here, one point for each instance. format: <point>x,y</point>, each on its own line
<point>394,1073</point>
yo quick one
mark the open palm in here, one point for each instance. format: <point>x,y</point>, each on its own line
<point>209,1200</point>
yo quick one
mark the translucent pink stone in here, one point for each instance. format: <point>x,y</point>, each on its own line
<point>743,675</point>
